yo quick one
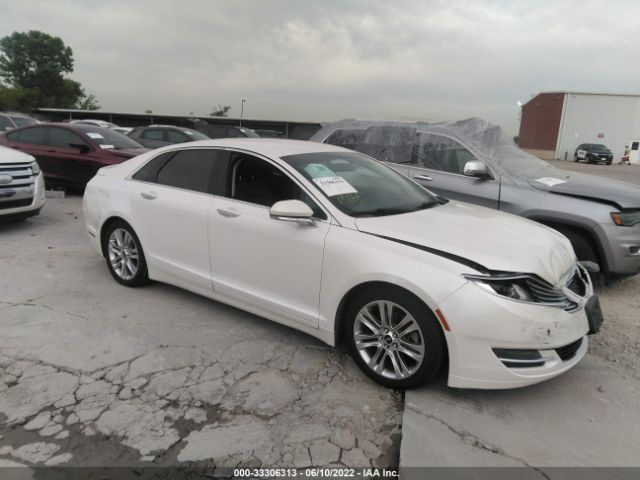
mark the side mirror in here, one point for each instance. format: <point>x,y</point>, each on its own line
<point>292,211</point>
<point>83,147</point>
<point>475,168</point>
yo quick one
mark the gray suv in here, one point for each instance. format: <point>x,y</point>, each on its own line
<point>471,161</point>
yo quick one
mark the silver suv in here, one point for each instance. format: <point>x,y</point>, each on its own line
<point>473,162</point>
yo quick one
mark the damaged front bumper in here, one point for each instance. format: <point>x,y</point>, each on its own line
<point>497,343</point>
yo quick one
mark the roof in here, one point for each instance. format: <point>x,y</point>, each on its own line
<point>567,92</point>
<point>155,114</point>
<point>273,147</point>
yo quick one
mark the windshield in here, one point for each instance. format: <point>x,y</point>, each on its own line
<point>360,186</point>
<point>108,139</point>
<point>249,133</point>
<point>22,121</point>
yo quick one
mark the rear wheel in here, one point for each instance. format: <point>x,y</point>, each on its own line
<point>124,255</point>
<point>393,337</point>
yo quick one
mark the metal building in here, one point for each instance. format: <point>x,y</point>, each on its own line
<point>553,124</point>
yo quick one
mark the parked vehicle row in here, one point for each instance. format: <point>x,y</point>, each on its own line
<point>470,161</point>
<point>70,154</point>
<point>407,280</point>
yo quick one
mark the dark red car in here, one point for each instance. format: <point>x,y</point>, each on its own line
<point>71,154</point>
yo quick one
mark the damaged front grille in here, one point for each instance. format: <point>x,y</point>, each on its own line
<point>577,282</point>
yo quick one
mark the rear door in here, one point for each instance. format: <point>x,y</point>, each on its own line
<point>171,197</point>
<point>32,140</point>
<point>439,166</point>
<point>67,162</point>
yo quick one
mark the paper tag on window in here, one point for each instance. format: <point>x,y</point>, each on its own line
<point>550,181</point>
<point>105,147</point>
<point>333,186</point>
<point>94,135</point>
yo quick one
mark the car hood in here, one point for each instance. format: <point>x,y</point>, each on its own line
<point>9,155</point>
<point>127,152</point>
<point>495,240</point>
<point>606,190</point>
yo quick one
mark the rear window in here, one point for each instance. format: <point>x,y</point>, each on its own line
<point>22,121</point>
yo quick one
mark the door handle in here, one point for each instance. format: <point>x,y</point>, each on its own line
<point>228,212</point>
<point>149,195</point>
<point>423,177</point>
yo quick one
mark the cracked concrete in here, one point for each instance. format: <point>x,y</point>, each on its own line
<point>92,373</point>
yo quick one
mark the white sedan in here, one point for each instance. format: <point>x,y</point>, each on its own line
<point>336,244</point>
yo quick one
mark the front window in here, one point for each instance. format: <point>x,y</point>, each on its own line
<point>108,139</point>
<point>360,186</point>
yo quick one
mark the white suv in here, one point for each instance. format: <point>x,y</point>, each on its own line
<point>21,185</point>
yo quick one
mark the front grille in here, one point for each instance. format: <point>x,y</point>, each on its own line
<point>567,352</point>
<point>25,202</point>
<point>577,282</point>
<point>21,175</point>
<point>549,295</point>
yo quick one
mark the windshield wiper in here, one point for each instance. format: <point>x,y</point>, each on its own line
<point>378,212</point>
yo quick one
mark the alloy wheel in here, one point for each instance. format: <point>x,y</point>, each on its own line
<point>389,339</point>
<point>123,254</point>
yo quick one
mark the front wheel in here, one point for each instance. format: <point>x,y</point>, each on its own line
<point>124,255</point>
<point>394,338</point>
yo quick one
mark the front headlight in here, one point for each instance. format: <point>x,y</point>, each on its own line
<point>35,168</point>
<point>627,218</point>
<point>514,287</point>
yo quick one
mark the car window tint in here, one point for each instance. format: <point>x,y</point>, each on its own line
<point>388,143</point>
<point>153,134</point>
<point>188,169</point>
<point>177,137</point>
<point>14,136</point>
<point>59,137</point>
<point>149,171</point>
<point>4,123</point>
<point>36,136</point>
<point>436,152</point>
<point>256,181</point>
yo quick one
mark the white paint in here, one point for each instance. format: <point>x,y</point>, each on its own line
<point>298,275</point>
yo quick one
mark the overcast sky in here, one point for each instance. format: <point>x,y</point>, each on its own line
<point>332,59</point>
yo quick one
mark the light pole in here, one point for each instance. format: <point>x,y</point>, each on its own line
<point>241,110</point>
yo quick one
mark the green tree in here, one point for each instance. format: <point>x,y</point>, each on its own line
<point>87,102</point>
<point>220,111</point>
<point>33,65</point>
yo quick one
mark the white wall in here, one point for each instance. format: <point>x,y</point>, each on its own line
<point>585,116</point>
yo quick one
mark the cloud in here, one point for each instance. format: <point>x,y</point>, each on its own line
<point>432,60</point>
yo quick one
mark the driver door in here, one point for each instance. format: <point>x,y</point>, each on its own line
<point>261,262</point>
<point>439,165</point>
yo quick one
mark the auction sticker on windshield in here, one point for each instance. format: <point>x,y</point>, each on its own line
<point>333,186</point>
<point>93,135</point>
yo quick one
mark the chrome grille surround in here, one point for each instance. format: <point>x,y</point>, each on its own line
<point>18,183</point>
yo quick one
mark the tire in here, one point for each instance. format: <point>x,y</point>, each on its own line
<point>124,255</point>
<point>575,158</point>
<point>395,363</point>
<point>609,162</point>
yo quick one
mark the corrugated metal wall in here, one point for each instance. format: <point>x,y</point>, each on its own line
<point>616,117</point>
